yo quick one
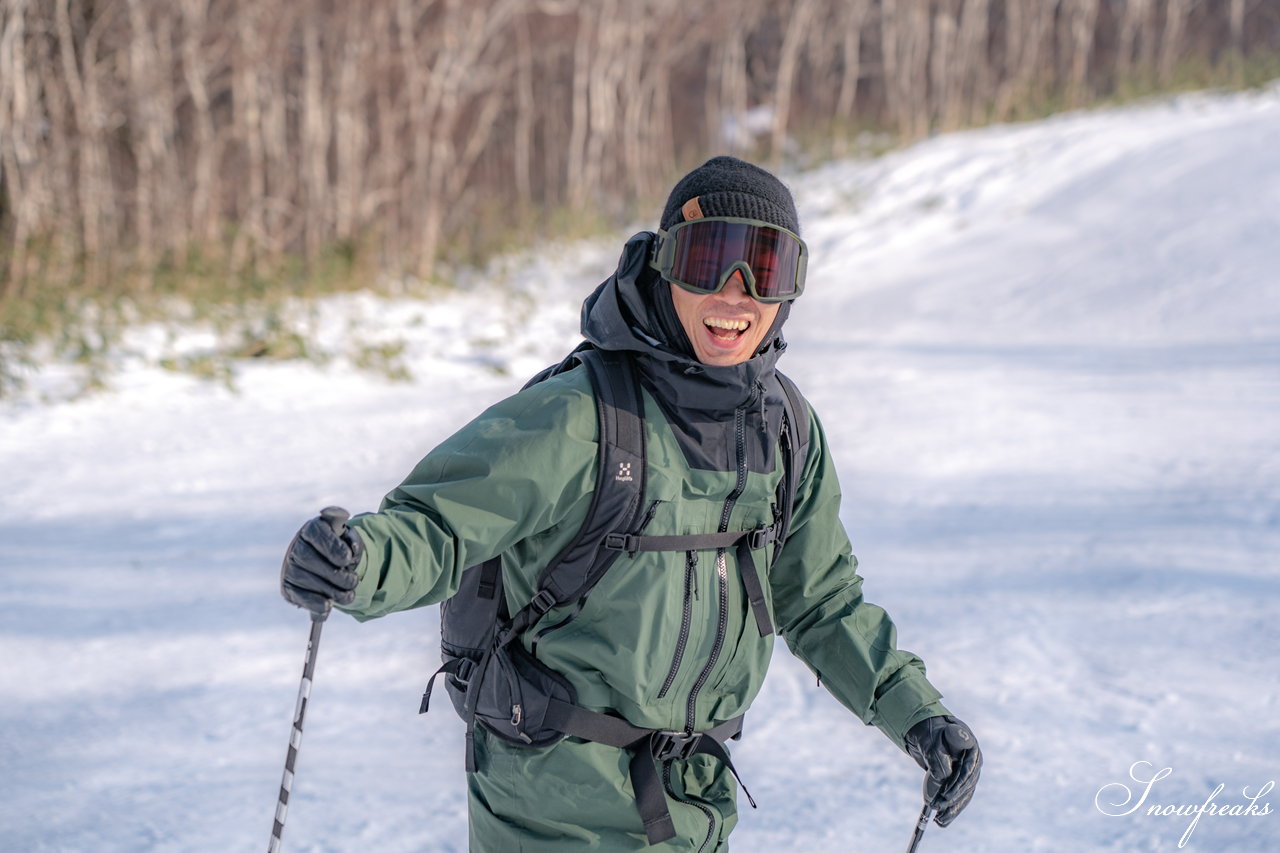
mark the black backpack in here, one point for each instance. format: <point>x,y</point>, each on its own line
<point>491,678</point>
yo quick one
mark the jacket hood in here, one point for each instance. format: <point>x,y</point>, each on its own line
<point>632,311</point>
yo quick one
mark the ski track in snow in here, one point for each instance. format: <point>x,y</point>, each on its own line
<point>1046,357</point>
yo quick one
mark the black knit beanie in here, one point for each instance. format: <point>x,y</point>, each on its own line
<point>727,186</point>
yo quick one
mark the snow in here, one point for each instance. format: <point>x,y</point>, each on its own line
<point>1046,356</point>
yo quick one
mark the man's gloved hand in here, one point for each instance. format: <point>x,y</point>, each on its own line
<point>319,567</point>
<point>947,751</point>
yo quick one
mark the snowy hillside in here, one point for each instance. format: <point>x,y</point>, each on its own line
<point>1048,359</point>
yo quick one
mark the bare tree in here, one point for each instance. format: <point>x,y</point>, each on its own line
<point>575,180</point>
<point>946,72</point>
<point>905,33</point>
<point>802,19</point>
<point>856,13</point>
<point>974,60</point>
<point>1236,17</point>
<point>1082,16</point>
<point>134,130</point>
<point>1135,46</point>
<point>19,104</point>
<point>80,76</point>
<point>727,98</point>
<point>1171,42</point>
<point>1028,37</point>
<point>203,218</point>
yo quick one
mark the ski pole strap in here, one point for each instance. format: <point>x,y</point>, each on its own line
<point>746,542</point>
<point>649,747</point>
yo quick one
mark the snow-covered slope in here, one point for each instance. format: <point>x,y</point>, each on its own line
<point>1048,359</point>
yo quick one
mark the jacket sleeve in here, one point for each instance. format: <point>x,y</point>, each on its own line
<point>506,482</point>
<point>849,643</point>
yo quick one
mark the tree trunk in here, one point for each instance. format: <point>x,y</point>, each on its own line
<point>1084,18</point>
<point>797,31</point>
<point>202,212</point>
<point>576,150</point>
<point>1171,41</point>
<point>945,70</point>
<point>1236,49</point>
<point>974,57</point>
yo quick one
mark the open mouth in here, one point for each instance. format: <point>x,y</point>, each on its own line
<point>726,330</point>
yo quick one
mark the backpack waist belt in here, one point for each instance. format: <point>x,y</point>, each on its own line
<point>648,747</point>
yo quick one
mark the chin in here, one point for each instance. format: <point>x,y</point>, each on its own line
<point>721,359</point>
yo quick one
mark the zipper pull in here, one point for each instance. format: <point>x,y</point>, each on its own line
<point>691,563</point>
<point>648,515</point>
<point>517,717</point>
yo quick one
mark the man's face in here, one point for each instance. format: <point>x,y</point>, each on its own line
<point>727,327</point>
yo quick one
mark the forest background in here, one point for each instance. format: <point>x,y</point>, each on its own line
<point>215,160</point>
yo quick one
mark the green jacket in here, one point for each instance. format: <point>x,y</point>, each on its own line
<point>665,640</point>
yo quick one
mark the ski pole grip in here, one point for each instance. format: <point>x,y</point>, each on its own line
<point>337,518</point>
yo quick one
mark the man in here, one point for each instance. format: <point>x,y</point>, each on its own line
<point>668,644</point>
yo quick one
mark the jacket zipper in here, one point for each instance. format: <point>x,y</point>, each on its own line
<point>722,622</point>
<point>705,809</point>
<point>722,570</point>
<point>686,618</point>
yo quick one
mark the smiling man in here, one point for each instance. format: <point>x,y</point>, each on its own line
<point>616,546</point>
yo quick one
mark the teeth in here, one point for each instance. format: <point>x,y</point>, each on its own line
<point>733,325</point>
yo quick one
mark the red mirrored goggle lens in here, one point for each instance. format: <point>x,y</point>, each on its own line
<point>704,249</point>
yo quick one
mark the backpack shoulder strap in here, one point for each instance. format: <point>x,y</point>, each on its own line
<point>570,361</point>
<point>795,453</point>
<point>620,484</point>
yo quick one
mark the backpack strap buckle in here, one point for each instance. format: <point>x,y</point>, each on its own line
<point>622,542</point>
<point>466,668</point>
<point>668,745</point>
<point>543,601</point>
<point>760,537</point>
<point>460,669</point>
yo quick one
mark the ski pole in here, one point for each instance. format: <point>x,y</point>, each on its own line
<point>337,519</point>
<point>921,825</point>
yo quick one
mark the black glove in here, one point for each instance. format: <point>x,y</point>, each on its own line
<point>319,567</point>
<point>947,750</point>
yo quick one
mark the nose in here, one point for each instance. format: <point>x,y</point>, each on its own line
<point>735,288</point>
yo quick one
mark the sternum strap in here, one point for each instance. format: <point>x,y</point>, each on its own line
<point>745,540</point>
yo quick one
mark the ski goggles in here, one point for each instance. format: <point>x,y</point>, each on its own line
<point>701,254</point>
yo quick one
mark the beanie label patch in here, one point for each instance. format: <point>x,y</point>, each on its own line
<point>691,209</point>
